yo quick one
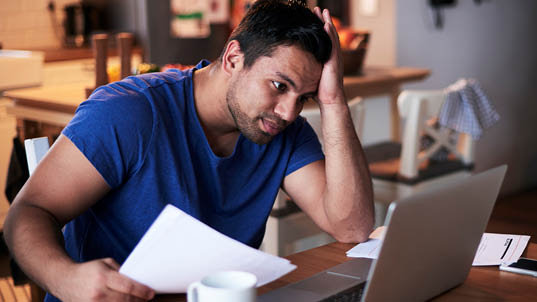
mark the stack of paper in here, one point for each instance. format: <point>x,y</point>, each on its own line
<point>494,249</point>
<point>178,250</point>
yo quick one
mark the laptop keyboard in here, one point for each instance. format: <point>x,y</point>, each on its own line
<point>353,294</point>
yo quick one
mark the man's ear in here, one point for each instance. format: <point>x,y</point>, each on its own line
<point>233,57</point>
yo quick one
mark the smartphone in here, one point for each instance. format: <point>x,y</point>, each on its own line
<point>523,266</point>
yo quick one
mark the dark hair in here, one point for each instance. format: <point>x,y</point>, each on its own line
<point>272,23</point>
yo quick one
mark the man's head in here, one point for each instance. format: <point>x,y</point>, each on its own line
<point>274,61</point>
<point>272,23</point>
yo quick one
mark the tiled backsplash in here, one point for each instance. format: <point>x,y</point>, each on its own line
<point>28,24</point>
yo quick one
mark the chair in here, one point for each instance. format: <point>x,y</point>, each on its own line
<point>36,148</point>
<point>288,229</point>
<point>402,169</point>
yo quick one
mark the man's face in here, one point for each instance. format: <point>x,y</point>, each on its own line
<point>268,96</point>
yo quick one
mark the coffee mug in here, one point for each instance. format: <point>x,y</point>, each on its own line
<point>227,286</point>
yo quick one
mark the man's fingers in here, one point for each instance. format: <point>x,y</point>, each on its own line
<point>112,295</point>
<point>120,283</point>
<point>332,33</point>
<point>329,27</point>
<point>123,284</point>
<point>328,20</point>
<point>317,11</point>
<point>326,16</point>
<point>111,263</point>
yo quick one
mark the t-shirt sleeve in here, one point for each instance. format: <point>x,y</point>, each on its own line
<point>306,147</point>
<point>113,129</point>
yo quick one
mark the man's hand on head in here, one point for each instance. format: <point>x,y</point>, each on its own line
<point>331,83</point>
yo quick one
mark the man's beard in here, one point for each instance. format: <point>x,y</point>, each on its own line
<point>247,126</point>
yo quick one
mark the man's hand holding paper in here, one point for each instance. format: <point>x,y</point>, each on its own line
<point>178,250</point>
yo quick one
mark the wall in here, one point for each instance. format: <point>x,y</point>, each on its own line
<point>381,52</point>
<point>29,24</point>
<point>495,43</point>
<point>381,48</point>
<point>153,32</point>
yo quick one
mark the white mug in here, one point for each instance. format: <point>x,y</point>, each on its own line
<point>227,286</point>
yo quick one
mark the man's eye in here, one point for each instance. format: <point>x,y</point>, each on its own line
<point>281,87</point>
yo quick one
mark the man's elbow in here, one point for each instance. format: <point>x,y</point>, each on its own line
<point>352,237</point>
<point>355,223</point>
<point>355,232</point>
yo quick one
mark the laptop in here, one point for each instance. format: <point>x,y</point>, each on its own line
<point>428,248</point>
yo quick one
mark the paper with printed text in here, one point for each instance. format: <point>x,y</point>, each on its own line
<point>494,249</point>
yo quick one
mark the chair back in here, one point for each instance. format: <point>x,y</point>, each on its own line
<point>420,108</point>
<point>36,148</point>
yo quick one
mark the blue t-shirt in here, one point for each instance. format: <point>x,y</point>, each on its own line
<point>144,137</point>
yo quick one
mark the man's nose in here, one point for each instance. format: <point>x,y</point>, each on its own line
<point>287,108</point>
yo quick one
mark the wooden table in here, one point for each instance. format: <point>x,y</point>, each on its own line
<point>377,81</point>
<point>43,111</point>
<point>483,283</point>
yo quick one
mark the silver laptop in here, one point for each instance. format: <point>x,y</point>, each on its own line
<point>428,248</point>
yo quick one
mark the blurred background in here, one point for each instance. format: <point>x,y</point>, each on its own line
<point>490,40</point>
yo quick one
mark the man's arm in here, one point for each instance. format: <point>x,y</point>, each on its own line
<point>63,186</point>
<point>337,192</point>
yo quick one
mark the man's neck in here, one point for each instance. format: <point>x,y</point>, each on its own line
<point>210,88</point>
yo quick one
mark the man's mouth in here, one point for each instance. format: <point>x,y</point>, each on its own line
<point>272,127</point>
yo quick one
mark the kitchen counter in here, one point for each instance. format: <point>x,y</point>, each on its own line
<point>77,53</point>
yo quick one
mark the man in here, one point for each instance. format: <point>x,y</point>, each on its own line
<point>217,141</point>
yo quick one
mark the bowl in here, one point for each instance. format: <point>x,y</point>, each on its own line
<point>353,51</point>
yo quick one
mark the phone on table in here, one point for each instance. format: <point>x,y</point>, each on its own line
<point>523,266</point>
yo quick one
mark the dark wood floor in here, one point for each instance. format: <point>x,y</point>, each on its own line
<point>512,215</point>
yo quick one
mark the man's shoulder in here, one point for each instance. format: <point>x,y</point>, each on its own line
<point>171,76</point>
<point>140,89</point>
<point>156,80</point>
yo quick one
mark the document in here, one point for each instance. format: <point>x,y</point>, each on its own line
<point>494,249</point>
<point>370,248</point>
<point>178,250</point>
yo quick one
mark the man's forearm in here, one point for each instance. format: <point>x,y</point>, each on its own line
<point>348,196</point>
<point>34,238</point>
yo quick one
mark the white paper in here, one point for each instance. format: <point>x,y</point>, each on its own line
<point>494,249</point>
<point>369,249</point>
<point>178,250</point>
